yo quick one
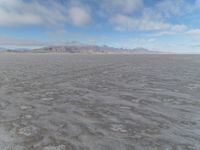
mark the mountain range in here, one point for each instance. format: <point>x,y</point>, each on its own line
<point>82,49</point>
<point>89,49</point>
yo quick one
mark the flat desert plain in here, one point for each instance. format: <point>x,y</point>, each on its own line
<point>99,102</point>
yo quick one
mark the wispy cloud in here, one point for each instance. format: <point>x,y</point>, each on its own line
<point>124,6</point>
<point>194,32</point>
<point>79,16</point>
<point>196,46</point>
<point>120,13</point>
<point>153,18</point>
<point>19,12</point>
<point>169,8</point>
<point>125,23</point>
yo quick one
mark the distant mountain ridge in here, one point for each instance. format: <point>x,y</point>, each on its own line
<point>89,49</point>
<point>79,48</point>
<point>3,49</point>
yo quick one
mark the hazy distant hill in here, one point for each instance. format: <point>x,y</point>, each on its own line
<point>70,49</point>
<point>3,49</point>
<point>82,49</point>
<point>18,50</point>
<point>90,49</point>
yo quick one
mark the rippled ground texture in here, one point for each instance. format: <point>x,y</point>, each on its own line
<point>99,102</point>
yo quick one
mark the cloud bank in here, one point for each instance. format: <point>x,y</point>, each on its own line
<point>20,12</point>
<point>123,15</point>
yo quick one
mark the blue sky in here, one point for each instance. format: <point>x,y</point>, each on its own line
<point>164,25</point>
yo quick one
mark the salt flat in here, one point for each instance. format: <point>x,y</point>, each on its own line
<point>99,102</point>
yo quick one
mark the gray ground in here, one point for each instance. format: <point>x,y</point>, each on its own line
<point>99,102</point>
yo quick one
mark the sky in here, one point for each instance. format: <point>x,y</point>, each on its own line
<point>161,25</point>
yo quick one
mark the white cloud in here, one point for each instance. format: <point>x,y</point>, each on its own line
<point>163,33</point>
<point>126,5</point>
<point>79,16</point>
<point>111,7</point>
<point>170,8</point>
<point>13,19</point>
<point>179,28</point>
<point>123,23</point>
<point>193,32</point>
<point>126,23</point>
<point>19,12</point>
<point>154,18</point>
<point>151,40</point>
<point>149,25</point>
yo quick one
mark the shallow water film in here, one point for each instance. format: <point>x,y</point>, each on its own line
<point>99,102</point>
